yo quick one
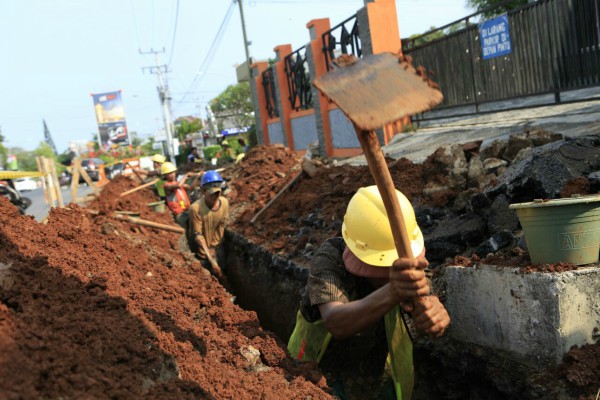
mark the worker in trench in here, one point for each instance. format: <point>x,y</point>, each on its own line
<point>176,192</point>
<point>157,161</point>
<point>208,217</point>
<point>353,312</point>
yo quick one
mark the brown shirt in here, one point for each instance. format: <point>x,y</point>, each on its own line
<point>358,361</point>
<point>209,223</point>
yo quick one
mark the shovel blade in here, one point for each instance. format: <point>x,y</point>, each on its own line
<point>377,90</point>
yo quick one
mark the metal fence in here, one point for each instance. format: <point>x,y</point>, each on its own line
<point>268,82</point>
<point>555,47</point>
<point>298,80</point>
<point>342,39</point>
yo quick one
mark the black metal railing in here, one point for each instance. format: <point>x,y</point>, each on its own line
<point>298,80</point>
<point>268,82</point>
<point>555,47</point>
<point>341,40</point>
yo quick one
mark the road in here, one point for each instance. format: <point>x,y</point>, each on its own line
<point>39,209</point>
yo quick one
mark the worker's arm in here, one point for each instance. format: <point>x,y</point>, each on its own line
<point>201,241</point>
<point>407,280</point>
<point>195,181</point>
<point>343,320</point>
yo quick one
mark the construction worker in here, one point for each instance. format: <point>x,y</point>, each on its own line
<point>176,192</point>
<point>157,161</point>
<point>208,216</point>
<point>357,293</point>
<point>227,154</point>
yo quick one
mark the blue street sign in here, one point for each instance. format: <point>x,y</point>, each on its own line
<point>494,36</point>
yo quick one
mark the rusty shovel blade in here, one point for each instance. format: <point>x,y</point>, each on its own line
<point>378,89</point>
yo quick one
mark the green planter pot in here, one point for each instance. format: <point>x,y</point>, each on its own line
<point>561,230</point>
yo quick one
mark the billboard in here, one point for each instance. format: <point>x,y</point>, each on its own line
<point>110,115</point>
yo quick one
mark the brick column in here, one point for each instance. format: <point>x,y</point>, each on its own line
<point>317,66</point>
<point>379,33</point>
<point>283,93</point>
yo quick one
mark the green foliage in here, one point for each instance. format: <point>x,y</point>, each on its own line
<point>480,5</point>
<point>235,105</point>
<point>211,151</point>
<point>187,125</point>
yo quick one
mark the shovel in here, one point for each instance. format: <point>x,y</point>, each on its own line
<point>372,92</point>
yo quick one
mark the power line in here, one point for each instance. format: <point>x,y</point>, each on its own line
<point>174,33</point>
<point>211,50</point>
<point>135,26</point>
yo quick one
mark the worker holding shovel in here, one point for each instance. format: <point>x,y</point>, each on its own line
<point>176,193</point>
<point>357,293</point>
<point>208,217</point>
<point>157,161</point>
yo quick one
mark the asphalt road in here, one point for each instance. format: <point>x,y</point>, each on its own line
<point>39,209</point>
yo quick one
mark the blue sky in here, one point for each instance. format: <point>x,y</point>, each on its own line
<point>55,53</point>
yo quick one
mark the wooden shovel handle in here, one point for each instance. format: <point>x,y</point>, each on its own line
<point>381,174</point>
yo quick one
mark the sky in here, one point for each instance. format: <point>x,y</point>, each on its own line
<point>54,54</point>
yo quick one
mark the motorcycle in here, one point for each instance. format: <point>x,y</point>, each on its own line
<point>8,190</point>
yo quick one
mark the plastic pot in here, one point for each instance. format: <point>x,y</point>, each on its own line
<point>561,230</point>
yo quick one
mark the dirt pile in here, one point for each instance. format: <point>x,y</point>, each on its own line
<point>258,177</point>
<point>94,307</point>
<point>312,209</point>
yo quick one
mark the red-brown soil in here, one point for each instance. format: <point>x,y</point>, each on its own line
<point>325,196</point>
<point>579,185</point>
<point>92,307</point>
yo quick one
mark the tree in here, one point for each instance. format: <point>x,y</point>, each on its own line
<point>187,125</point>
<point>234,105</point>
<point>480,5</point>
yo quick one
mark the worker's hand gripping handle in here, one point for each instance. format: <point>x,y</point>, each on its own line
<point>381,174</point>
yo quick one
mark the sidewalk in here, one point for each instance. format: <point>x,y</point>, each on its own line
<point>574,119</point>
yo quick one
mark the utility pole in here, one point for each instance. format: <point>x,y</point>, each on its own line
<point>246,43</point>
<point>164,97</point>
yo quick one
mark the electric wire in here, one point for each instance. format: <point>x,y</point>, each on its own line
<point>209,55</point>
<point>135,25</point>
<point>172,51</point>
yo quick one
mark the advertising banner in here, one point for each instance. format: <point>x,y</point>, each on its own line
<point>110,115</point>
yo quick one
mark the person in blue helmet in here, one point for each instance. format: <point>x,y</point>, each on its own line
<point>208,217</point>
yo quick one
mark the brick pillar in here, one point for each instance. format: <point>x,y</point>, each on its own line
<point>379,33</point>
<point>260,102</point>
<point>317,66</point>
<point>283,93</point>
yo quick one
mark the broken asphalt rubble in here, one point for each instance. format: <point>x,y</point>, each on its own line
<point>91,305</point>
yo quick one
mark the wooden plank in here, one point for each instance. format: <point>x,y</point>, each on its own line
<point>75,166</point>
<point>87,179</point>
<point>54,177</point>
<point>44,186</point>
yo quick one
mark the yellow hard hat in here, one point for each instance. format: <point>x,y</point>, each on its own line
<point>225,143</point>
<point>159,158</point>
<point>167,168</point>
<point>366,229</point>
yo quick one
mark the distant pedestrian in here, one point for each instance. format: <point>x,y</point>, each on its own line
<point>243,145</point>
<point>193,156</point>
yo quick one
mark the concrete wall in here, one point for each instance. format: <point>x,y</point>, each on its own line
<point>305,132</point>
<point>533,317</point>
<point>342,130</point>
<point>275,133</point>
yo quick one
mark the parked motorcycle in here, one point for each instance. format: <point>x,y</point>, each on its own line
<point>7,189</point>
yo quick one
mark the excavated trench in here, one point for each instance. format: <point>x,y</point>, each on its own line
<point>90,304</point>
